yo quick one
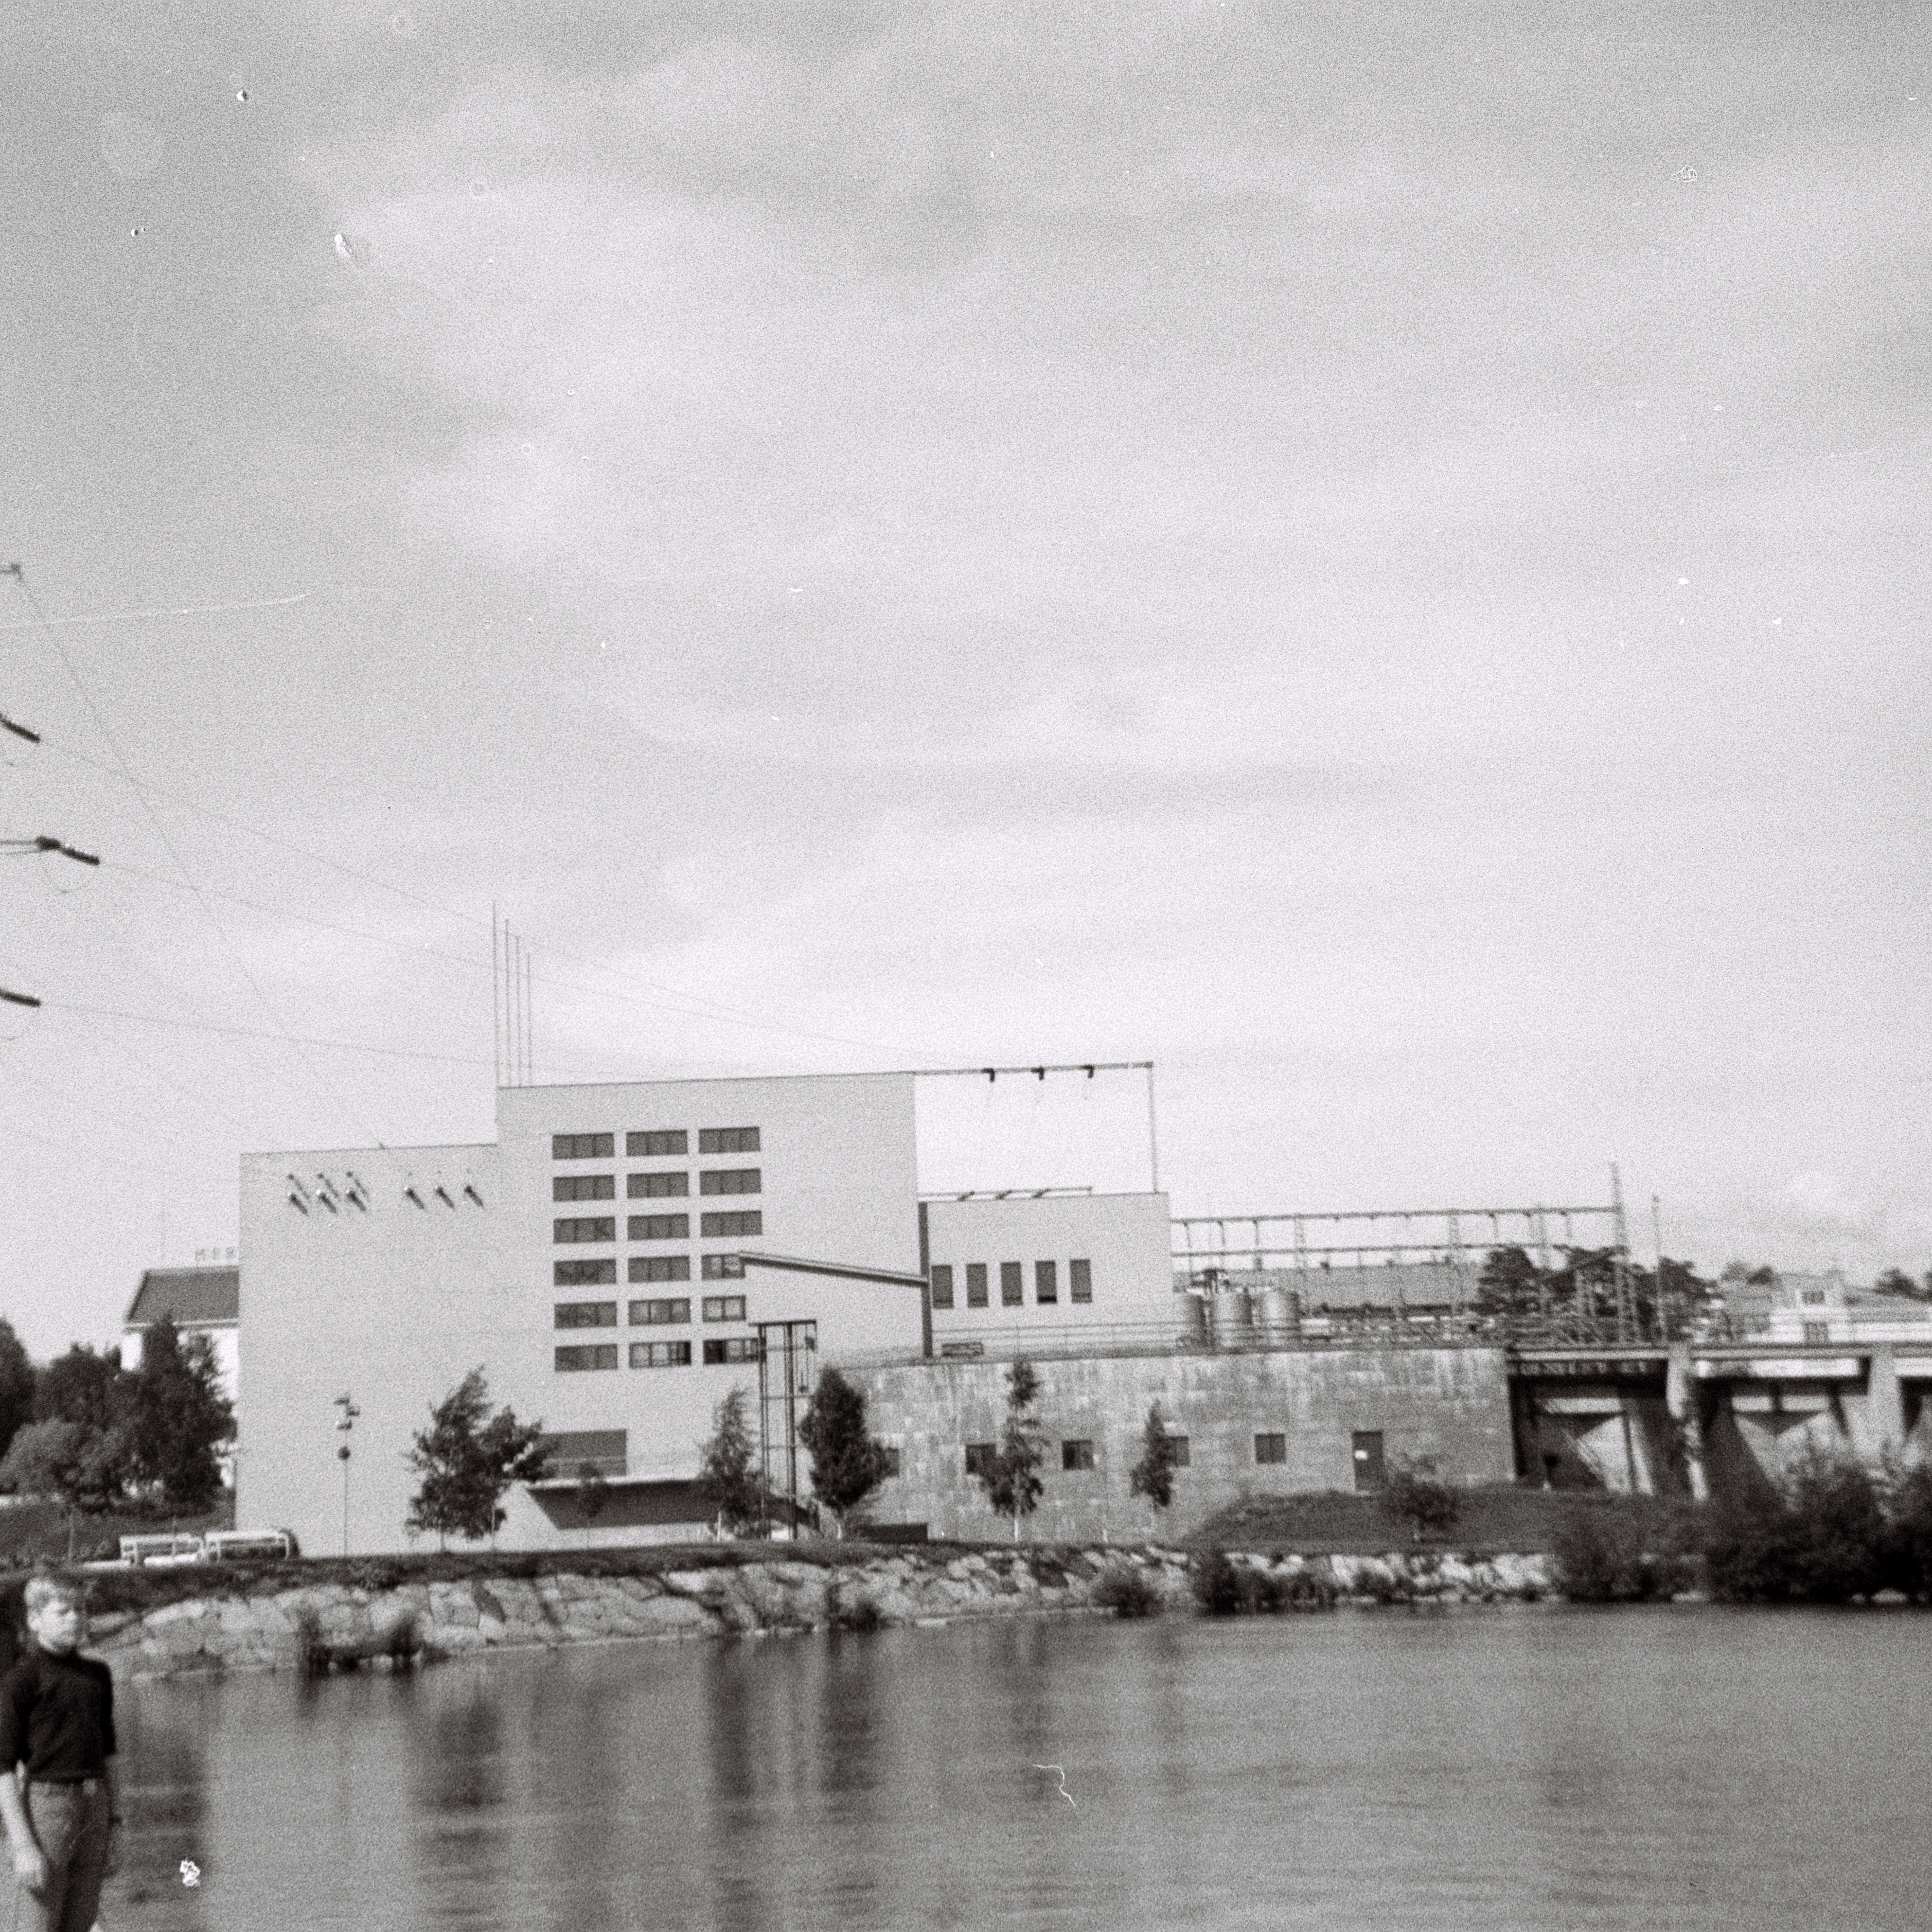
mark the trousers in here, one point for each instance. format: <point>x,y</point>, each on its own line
<point>69,1823</point>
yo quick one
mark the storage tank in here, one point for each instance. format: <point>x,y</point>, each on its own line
<point>1194,1319</point>
<point>1277,1311</point>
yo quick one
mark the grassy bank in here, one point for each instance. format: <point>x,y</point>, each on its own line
<point>33,1533</point>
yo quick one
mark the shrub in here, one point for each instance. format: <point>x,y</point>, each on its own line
<point>1598,1557</point>
<point>1822,1538</point>
<point>860,1613</point>
<point>1127,1593</point>
<point>1217,1588</point>
<point>1417,1496</point>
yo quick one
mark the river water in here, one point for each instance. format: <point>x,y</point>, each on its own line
<point>1537,1767</point>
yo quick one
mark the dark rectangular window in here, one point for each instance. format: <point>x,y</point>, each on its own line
<point>980,1457</point>
<point>717,1227</point>
<point>942,1285</point>
<point>1046,1281</point>
<point>729,1180</point>
<point>587,1315</point>
<point>583,1187</point>
<point>724,1267</point>
<point>586,1274</point>
<point>724,1308</point>
<point>604,1356</point>
<point>660,1268</point>
<point>730,1348</point>
<point>603,1449</point>
<point>889,1459</point>
<point>660,1227</point>
<point>728,1140</point>
<point>1817,1331</point>
<point>657,1143</point>
<point>656,1186</point>
<point>659,1314</point>
<point>600,1228</point>
<point>659,1355</point>
<point>976,1284</point>
<point>1270,1448</point>
<point>1012,1285</point>
<point>1183,1451</point>
<point>1076,1455</point>
<point>1080,1281</point>
<point>581,1147</point>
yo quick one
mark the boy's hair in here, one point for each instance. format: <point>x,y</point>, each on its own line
<point>42,1590</point>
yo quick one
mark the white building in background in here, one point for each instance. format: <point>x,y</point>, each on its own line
<point>619,1257</point>
<point>204,1300</point>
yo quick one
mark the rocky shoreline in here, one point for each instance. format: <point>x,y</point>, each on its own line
<point>325,1625</point>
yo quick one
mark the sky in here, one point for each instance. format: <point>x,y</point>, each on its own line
<point>1371,554</point>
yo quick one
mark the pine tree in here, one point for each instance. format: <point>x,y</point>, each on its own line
<point>177,1418</point>
<point>1152,1475</point>
<point>847,1465</point>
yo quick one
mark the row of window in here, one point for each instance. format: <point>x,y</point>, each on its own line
<point>657,1186</point>
<point>647,1314</point>
<point>1078,1454</point>
<point>1012,1283</point>
<point>721,1350</point>
<point>585,1228</point>
<point>656,1144</point>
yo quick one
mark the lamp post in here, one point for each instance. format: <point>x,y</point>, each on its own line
<point>349,1413</point>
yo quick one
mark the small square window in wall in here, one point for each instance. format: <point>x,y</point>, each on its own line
<point>659,1355</point>
<point>602,1356</point>
<point>656,1314</point>
<point>980,1457</point>
<point>889,1460</point>
<point>657,1143</point>
<point>976,1284</point>
<point>730,1181</point>
<point>660,1227</point>
<point>721,1227</point>
<point>724,1308</point>
<point>724,1267</point>
<point>660,1268</point>
<point>1183,1451</point>
<point>586,1274</point>
<point>1012,1285</point>
<point>584,1187</point>
<point>1270,1448</point>
<point>728,1140</point>
<point>1078,1455</point>
<point>656,1186</point>
<point>586,1315</point>
<point>1046,1281</point>
<point>598,1227</point>
<point>942,1285</point>
<point>730,1348</point>
<point>1080,1281</point>
<point>1817,1331</point>
<point>582,1147</point>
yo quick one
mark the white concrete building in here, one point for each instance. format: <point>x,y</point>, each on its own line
<point>616,1260</point>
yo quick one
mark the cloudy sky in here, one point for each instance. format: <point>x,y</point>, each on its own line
<point>1371,553</point>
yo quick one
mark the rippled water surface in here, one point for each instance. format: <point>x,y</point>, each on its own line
<point>1545,1768</point>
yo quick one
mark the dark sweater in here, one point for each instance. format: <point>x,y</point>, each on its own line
<point>57,1716</point>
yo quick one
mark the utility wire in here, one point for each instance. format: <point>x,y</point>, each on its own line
<point>256,1033</point>
<point>19,577</point>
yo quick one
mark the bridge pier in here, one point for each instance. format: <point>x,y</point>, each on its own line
<point>1885,1402</point>
<point>1680,1398</point>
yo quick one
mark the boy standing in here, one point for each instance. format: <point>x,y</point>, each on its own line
<point>57,1795</point>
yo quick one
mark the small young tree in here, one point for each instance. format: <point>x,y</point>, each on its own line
<point>1415,1495</point>
<point>727,1477</point>
<point>467,1459</point>
<point>1011,1476</point>
<point>593,1492</point>
<point>847,1465</point>
<point>1152,1475</point>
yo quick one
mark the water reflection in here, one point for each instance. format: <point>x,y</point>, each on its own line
<point>1492,1770</point>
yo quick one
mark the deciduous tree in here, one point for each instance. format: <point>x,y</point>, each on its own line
<point>16,1385</point>
<point>727,1478</point>
<point>1012,1475</point>
<point>79,1466</point>
<point>467,1459</point>
<point>847,1465</point>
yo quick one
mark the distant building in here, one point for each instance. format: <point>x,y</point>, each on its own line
<point>200,1301</point>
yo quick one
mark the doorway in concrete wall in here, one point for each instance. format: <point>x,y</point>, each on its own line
<point>1370,1470</point>
<point>788,1364</point>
